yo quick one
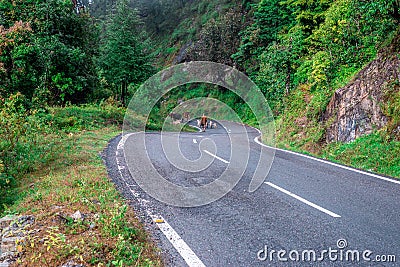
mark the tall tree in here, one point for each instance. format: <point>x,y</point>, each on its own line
<point>271,17</point>
<point>309,14</point>
<point>125,55</point>
<point>47,54</point>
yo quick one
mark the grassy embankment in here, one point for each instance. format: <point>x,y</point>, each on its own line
<point>56,170</point>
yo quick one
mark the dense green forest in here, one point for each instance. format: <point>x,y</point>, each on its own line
<point>51,55</point>
<point>67,67</point>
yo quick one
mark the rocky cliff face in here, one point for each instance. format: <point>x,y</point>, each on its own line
<point>356,109</point>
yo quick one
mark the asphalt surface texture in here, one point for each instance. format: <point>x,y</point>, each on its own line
<point>305,213</point>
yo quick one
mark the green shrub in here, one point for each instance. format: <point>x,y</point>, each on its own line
<point>22,143</point>
<point>374,152</point>
<point>30,139</point>
<point>86,117</point>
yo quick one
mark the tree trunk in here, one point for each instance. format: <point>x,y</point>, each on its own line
<point>288,69</point>
<point>396,14</point>
<point>287,83</point>
<point>123,92</point>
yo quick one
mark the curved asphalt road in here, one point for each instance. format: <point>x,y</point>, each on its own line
<point>306,205</point>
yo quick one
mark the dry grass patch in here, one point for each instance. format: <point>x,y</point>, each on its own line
<point>105,231</point>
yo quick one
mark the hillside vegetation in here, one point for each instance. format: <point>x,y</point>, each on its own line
<point>298,53</point>
<point>67,74</point>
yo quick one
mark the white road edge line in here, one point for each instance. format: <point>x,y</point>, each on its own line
<point>179,244</point>
<point>328,162</point>
<point>215,156</point>
<point>305,201</point>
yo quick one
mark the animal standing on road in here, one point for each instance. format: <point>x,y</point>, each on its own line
<point>203,123</point>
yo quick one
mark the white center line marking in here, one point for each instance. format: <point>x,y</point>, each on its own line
<point>304,200</point>
<point>329,162</point>
<point>194,141</point>
<point>215,156</point>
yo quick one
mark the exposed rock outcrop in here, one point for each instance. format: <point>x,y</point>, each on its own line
<point>355,109</point>
<point>183,54</point>
<point>13,232</point>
